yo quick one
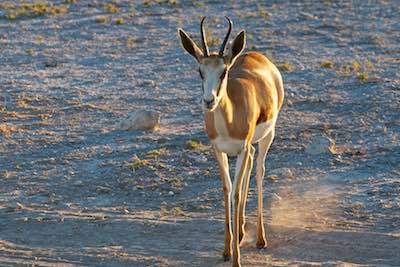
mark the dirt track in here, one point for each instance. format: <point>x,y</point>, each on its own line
<point>74,193</point>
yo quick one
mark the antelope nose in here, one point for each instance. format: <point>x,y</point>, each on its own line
<point>209,103</point>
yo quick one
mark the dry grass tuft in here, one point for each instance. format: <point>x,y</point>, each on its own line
<point>119,21</point>
<point>101,19</point>
<point>148,3</point>
<point>176,183</point>
<point>327,64</point>
<point>285,66</point>
<point>137,163</point>
<point>174,211</point>
<point>362,76</point>
<point>27,10</point>
<point>111,8</point>
<point>264,13</point>
<point>194,144</point>
<point>7,129</point>
<point>153,154</point>
<point>360,69</point>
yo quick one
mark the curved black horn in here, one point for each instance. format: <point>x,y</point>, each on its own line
<point>203,38</point>
<point>221,50</point>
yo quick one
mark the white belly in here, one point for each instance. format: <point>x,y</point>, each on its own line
<point>228,145</point>
<point>232,146</point>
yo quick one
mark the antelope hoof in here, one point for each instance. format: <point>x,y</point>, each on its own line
<point>261,243</point>
<point>226,255</point>
<point>241,237</point>
<point>242,231</point>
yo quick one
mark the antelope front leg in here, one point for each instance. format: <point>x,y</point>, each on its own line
<point>246,183</point>
<point>263,148</point>
<point>240,173</point>
<point>223,163</point>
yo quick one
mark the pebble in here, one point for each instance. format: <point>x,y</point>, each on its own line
<point>140,120</point>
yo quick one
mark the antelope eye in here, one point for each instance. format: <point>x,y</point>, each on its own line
<point>201,74</point>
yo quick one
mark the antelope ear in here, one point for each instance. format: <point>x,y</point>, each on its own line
<point>236,48</point>
<point>190,46</point>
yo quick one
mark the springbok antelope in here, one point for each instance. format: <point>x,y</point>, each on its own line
<point>242,95</point>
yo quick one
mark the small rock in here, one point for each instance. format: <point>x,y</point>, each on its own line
<point>24,219</point>
<point>272,178</point>
<point>140,120</point>
<point>51,63</point>
<point>319,145</point>
<point>171,193</point>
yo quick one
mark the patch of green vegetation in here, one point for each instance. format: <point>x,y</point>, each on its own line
<point>30,51</point>
<point>119,21</point>
<point>140,186</point>
<point>176,183</point>
<point>27,10</point>
<point>264,13</point>
<point>39,39</point>
<point>359,69</point>
<point>355,66</point>
<point>199,4</point>
<point>348,68</point>
<point>148,3</point>
<point>153,154</point>
<point>362,76</point>
<point>195,144</point>
<point>174,211</point>
<point>177,211</point>
<point>327,64</point>
<point>154,185</point>
<point>368,64</point>
<point>136,163</point>
<point>285,66</point>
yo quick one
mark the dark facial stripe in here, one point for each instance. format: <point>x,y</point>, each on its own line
<point>201,74</point>
<point>223,74</point>
<point>221,78</point>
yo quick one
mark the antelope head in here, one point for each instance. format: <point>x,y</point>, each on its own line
<point>213,68</point>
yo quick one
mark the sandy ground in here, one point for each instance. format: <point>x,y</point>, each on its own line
<point>77,192</point>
